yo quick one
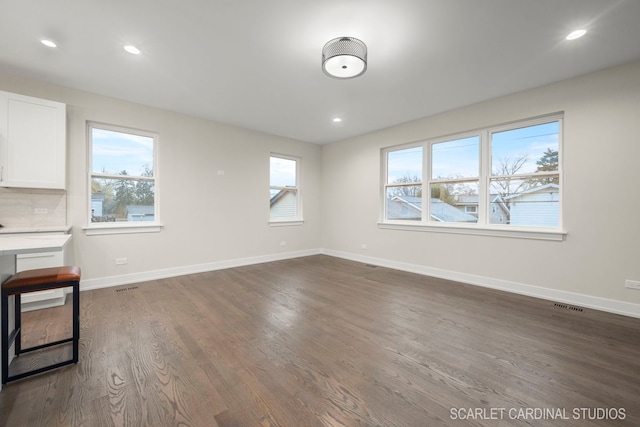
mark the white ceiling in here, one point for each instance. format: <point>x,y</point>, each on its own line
<point>256,63</point>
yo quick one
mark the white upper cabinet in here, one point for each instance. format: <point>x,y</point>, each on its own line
<point>33,135</point>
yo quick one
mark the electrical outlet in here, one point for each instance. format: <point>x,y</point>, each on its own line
<point>283,243</point>
<point>364,247</point>
<point>121,261</point>
<point>632,284</point>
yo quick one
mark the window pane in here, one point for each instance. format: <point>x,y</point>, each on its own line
<point>525,150</point>
<point>404,166</point>
<point>284,204</point>
<point>531,202</point>
<point>404,203</point>
<point>456,159</point>
<point>451,202</point>
<point>115,152</point>
<point>122,200</point>
<point>283,172</point>
<point>283,193</point>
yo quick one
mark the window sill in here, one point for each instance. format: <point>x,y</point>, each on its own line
<point>285,223</point>
<point>512,232</point>
<point>122,228</point>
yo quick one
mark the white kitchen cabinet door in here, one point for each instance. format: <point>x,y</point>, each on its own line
<point>32,142</point>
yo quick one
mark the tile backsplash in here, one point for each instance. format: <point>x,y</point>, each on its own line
<point>32,208</point>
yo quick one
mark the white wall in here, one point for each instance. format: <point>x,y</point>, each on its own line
<point>215,221</point>
<point>601,198</point>
<point>210,220</point>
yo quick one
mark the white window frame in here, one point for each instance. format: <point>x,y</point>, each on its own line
<point>482,227</point>
<point>299,219</point>
<point>100,228</point>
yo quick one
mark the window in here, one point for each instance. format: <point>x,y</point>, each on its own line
<point>455,179</point>
<point>122,177</point>
<point>403,188</point>
<point>284,189</point>
<point>500,178</point>
<point>525,176</point>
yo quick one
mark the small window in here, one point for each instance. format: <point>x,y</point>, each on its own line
<point>123,175</point>
<point>284,189</point>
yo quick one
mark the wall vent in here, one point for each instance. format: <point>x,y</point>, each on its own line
<point>568,307</point>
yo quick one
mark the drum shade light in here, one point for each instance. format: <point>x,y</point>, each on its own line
<point>344,58</point>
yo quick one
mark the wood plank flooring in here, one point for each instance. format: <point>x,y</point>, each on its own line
<point>321,341</point>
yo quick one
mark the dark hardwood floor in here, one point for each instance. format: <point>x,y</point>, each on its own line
<point>320,341</point>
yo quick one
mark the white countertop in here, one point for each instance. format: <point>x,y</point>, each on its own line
<point>17,244</point>
<point>48,229</point>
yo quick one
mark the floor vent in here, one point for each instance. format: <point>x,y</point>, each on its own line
<point>126,289</point>
<point>568,307</point>
<point>371,266</point>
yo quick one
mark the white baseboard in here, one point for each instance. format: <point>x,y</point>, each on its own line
<point>586,301</point>
<point>582,300</point>
<point>125,279</point>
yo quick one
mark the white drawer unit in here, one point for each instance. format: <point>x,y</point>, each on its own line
<point>41,299</point>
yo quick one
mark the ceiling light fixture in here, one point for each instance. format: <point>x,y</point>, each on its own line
<point>576,34</point>
<point>337,120</point>
<point>48,43</point>
<point>132,49</point>
<point>344,58</point>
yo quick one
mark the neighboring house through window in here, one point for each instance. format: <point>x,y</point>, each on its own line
<point>284,189</point>
<point>122,177</point>
<point>503,176</point>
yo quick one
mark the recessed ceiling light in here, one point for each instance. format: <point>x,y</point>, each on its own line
<point>132,49</point>
<point>576,34</point>
<point>48,43</point>
<point>337,120</point>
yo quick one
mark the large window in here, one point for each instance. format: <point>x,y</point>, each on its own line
<point>501,178</point>
<point>122,176</point>
<point>284,189</point>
